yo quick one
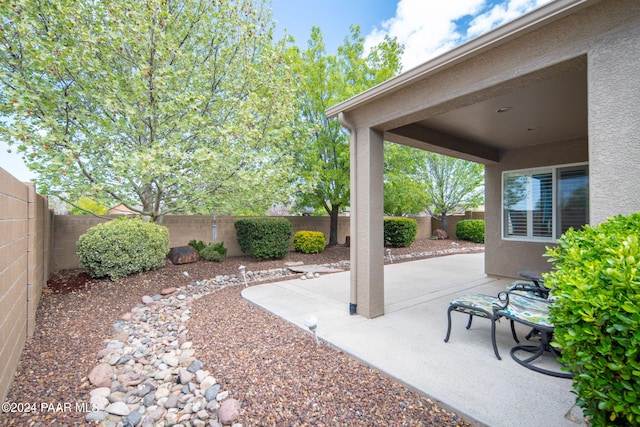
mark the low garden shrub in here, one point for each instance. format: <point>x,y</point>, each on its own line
<point>470,229</point>
<point>597,317</point>
<point>197,245</point>
<point>309,242</point>
<point>264,238</point>
<point>213,252</point>
<point>400,232</point>
<point>209,251</point>
<point>121,247</point>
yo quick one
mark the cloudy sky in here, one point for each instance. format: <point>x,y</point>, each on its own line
<point>426,28</point>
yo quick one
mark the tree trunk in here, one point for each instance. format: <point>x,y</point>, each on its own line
<point>443,220</point>
<point>333,228</point>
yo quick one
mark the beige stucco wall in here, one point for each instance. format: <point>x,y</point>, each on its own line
<point>25,236</point>
<point>453,220</point>
<point>614,123</point>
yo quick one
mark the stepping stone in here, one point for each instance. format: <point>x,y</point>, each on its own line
<point>313,268</point>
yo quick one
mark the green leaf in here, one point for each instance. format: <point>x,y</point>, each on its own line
<point>630,307</point>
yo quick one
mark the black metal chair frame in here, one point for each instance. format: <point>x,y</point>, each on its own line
<point>546,336</point>
<point>480,312</point>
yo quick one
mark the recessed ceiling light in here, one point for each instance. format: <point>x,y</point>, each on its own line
<point>503,109</point>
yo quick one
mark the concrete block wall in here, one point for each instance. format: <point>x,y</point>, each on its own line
<point>453,220</point>
<point>67,229</point>
<point>25,236</point>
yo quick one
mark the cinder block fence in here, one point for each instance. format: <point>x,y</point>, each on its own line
<point>25,241</point>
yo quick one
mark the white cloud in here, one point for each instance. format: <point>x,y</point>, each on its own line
<point>501,14</point>
<point>428,28</point>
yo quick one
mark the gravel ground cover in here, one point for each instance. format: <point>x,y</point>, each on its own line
<point>274,369</point>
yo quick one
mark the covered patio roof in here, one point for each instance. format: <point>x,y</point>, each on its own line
<point>552,88</point>
<point>496,113</point>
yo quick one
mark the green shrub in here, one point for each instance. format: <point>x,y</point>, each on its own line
<point>309,242</point>
<point>400,232</point>
<point>597,317</point>
<point>471,229</point>
<point>197,245</point>
<point>121,247</point>
<point>264,238</point>
<point>213,252</point>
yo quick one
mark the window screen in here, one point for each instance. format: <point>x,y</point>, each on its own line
<point>515,204</point>
<point>541,204</point>
<point>573,197</point>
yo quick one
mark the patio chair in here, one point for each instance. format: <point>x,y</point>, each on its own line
<point>479,305</point>
<point>530,290</point>
<point>532,311</point>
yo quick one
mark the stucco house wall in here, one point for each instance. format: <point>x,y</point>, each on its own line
<point>614,121</point>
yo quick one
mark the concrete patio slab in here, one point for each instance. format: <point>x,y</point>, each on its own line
<point>407,343</point>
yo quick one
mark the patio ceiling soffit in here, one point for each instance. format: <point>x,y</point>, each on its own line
<point>424,138</point>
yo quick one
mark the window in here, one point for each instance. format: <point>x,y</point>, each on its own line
<point>541,204</point>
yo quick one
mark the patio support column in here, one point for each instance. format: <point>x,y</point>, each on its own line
<point>367,248</point>
<point>614,125</point>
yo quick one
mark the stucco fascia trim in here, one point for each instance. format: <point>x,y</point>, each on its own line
<point>529,22</point>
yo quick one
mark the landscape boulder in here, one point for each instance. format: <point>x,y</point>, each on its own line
<point>183,255</point>
<point>440,234</point>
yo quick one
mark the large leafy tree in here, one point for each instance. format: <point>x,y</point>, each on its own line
<point>405,190</point>
<point>451,184</point>
<point>177,106</point>
<point>322,144</point>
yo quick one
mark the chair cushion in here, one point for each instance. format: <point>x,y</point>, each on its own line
<point>476,304</point>
<point>532,310</point>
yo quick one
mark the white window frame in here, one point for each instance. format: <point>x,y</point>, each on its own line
<point>529,201</point>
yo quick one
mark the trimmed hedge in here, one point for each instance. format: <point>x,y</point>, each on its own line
<point>596,283</point>
<point>400,232</point>
<point>121,247</point>
<point>470,229</point>
<point>309,242</point>
<point>264,238</point>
